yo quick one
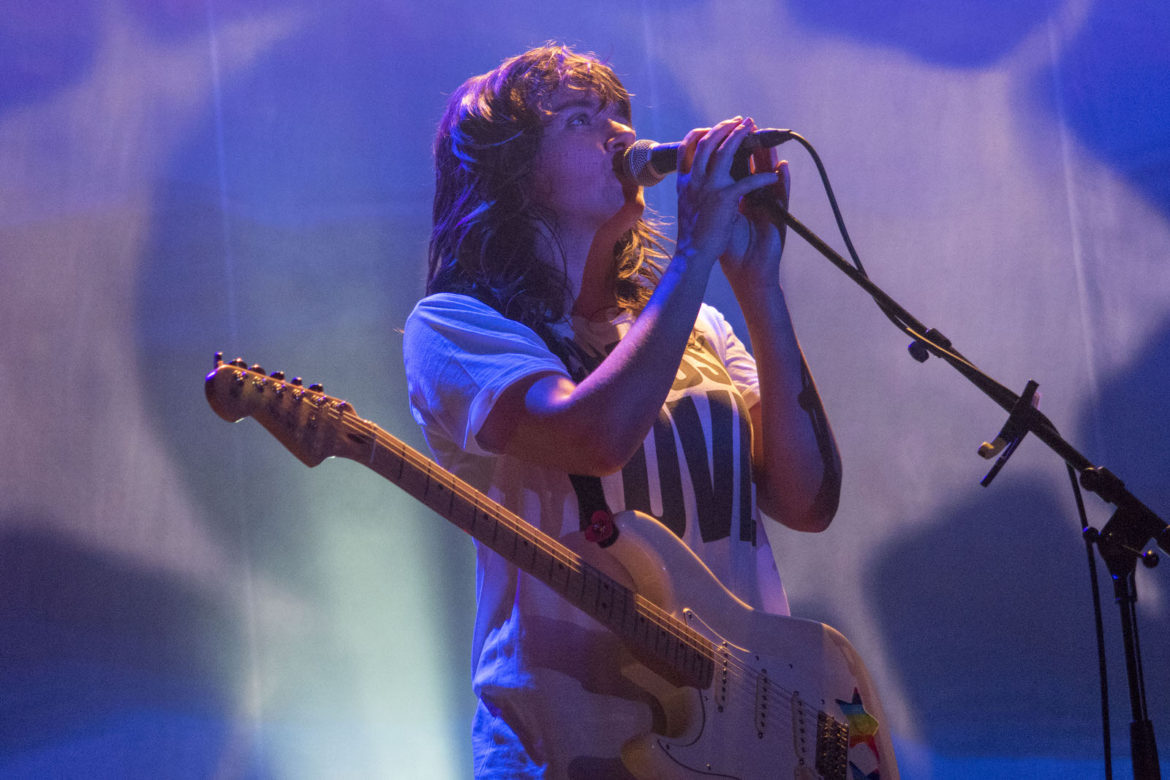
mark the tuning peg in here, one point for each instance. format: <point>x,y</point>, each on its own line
<point>239,363</point>
<point>218,359</point>
<point>317,387</point>
<point>278,375</point>
<point>297,381</point>
<point>256,368</point>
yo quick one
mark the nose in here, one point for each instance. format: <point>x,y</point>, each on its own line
<point>620,136</point>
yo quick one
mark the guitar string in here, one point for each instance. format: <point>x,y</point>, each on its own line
<point>742,674</point>
<point>739,673</point>
<point>665,621</point>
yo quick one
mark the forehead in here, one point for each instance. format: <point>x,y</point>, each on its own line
<point>566,98</point>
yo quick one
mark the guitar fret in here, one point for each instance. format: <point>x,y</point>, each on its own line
<point>401,465</point>
<point>624,600</point>
<point>550,575</point>
<point>600,601</point>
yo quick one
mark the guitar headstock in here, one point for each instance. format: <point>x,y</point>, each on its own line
<point>309,423</point>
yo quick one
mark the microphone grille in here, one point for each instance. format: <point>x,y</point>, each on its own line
<point>637,165</point>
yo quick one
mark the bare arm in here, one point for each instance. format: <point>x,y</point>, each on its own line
<point>794,455</point>
<point>796,464</point>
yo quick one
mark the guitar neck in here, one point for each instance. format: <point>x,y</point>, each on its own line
<point>656,637</point>
<point>314,426</point>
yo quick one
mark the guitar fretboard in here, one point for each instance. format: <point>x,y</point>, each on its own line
<point>645,627</point>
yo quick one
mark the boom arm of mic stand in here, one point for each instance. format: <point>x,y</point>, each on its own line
<point>1141,524</point>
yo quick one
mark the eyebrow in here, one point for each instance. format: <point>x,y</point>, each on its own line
<point>593,104</point>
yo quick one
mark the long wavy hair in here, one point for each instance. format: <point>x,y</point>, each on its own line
<point>486,226</point>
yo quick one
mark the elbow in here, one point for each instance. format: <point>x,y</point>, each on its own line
<point>812,519</point>
<point>802,510</point>
<point>824,506</point>
<point>597,458</point>
<point>819,516</point>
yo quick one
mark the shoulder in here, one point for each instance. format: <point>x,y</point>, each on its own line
<point>448,328</point>
<point>451,317</point>
<point>720,338</point>
<point>451,309</point>
<point>714,326</point>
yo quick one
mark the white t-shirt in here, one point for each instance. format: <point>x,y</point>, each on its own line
<point>552,700</point>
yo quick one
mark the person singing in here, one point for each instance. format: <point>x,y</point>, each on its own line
<point>563,359</point>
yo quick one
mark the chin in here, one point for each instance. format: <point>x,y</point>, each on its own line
<point>633,204</point>
<point>626,217</point>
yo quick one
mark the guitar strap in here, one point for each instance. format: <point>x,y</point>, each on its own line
<point>596,519</point>
<point>595,516</point>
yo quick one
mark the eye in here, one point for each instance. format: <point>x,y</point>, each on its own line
<point>578,118</point>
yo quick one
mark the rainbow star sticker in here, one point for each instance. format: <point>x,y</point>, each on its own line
<point>862,725</point>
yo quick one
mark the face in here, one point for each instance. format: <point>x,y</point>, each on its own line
<point>574,172</point>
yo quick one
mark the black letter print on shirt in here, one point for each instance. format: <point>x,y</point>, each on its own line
<point>712,478</point>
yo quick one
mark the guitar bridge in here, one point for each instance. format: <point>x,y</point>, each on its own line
<point>832,748</point>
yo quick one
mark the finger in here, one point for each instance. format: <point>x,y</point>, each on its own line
<point>724,155</point>
<point>754,182</point>
<point>762,158</point>
<point>686,153</point>
<point>785,185</point>
<point>779,189</point>
<point>765,158</point>
<point>711,141</point>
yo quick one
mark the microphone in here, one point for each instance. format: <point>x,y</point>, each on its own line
<point>648,162</point>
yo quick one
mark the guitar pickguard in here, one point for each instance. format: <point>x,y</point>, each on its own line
<point>788,698</point>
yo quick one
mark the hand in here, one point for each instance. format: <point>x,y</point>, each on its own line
<point>751,261</point>
<point>708,197</point>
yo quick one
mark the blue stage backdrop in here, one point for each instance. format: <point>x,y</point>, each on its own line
<point>180,597</point>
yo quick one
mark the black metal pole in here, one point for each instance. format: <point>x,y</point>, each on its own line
<point>1121,542</point>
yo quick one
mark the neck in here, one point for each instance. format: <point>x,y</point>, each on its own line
<point>589,260</point>
<point>595,291</point>
<point>587,254</point>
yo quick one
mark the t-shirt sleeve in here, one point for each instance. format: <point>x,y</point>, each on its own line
<point>460,355</point>
<point>738,361</point>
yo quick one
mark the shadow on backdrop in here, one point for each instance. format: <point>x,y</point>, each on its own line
<point>44,48</point>
<point>1114,94</point>
<point>118,670</point>
<point>992,600</point>
<point>957,35</point>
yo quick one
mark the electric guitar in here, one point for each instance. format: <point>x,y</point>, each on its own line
<point>764,696</point>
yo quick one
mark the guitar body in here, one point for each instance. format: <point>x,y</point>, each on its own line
<point>745,694</point>
<point>776,679</point>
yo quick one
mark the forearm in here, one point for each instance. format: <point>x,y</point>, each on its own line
<point>795,458</point>
<point>594,427</point>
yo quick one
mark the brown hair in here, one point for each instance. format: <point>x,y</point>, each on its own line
<point>486,227</point>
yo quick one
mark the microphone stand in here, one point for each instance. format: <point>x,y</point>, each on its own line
<point>1132,526</point>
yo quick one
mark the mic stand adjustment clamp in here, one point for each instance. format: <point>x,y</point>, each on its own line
<point>1013,431</point>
